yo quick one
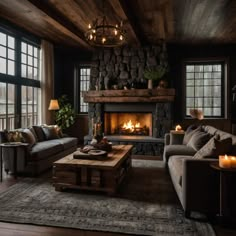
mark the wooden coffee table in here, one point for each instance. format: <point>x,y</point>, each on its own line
<point>97,175</point>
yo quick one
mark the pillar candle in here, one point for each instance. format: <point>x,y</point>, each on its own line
<point>224,161</point>
<point>233,161</point>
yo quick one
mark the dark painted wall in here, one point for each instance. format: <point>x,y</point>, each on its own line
<point>66,59</point>
<point>178,53</point>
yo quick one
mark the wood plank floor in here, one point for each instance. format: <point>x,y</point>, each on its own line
<point>11,229</point>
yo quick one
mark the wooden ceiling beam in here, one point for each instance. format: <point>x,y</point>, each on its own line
<point>58,17</point>
<point>133,21</point>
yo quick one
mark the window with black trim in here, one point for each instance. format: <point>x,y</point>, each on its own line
<point>84,86</point>
<point>19,80</point>
<point>29,61</point>
<point>7,54</point>
<point>205,82</point>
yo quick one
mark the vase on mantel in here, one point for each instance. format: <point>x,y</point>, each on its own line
<point>150,85</point>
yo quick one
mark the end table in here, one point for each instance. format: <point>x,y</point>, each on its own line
<point>225,186</point>
<point>14,146</point>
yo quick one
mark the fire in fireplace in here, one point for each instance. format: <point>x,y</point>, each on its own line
<point>128,123</point>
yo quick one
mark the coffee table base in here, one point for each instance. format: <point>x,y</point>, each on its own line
<point>90,178</point>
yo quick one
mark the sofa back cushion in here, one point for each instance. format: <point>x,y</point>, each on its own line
<point>39,132</point>
<point>50,132</point>
<point>198,139</point>
<point>28,137</point>
<point>189,132</point>
<point>215,147</point>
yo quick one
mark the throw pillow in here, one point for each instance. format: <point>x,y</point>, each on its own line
<point>33,132</point>
<point>189,132</point>
<point>39,132</point>
<point>28,137</point>
<point>198,140</point>
<point>214,147</point>
<point>50,132</point>
<point>14,136</point>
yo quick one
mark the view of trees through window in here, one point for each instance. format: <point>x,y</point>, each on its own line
<point>17,99</point>
<point>204,88</point>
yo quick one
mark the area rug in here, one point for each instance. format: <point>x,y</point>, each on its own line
<point>146,204</point>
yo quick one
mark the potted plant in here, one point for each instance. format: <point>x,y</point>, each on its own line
<point>154,74</point>
<point>65,116</point>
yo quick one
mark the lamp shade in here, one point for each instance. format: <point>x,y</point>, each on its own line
<point>53,105</point>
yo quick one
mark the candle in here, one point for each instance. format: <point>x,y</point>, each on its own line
<point>224,161</point>
<point>178,128</point>
<point>233,162</point>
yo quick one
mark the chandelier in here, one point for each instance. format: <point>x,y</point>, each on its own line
<point>102,34</point>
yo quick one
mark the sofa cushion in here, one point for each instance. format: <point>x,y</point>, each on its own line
<point>44,149</point>
<point>28,137</point>
<point>39,132</point>
<point>198,139</point>
<point>183,150</point>
<point>50,132</point>
<point>175,165</point>
<point>189,132</point>
<point>215,147</point>
<point>68,142</point>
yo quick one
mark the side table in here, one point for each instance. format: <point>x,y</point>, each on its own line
<point>14,146</point>
<point>226,202</point>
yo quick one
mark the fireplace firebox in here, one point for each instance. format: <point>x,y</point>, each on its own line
<point>128,123</point>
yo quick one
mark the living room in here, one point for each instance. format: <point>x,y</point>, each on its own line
<point>51,48</point>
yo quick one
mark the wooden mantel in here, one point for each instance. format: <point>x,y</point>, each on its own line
<point>134,95</point>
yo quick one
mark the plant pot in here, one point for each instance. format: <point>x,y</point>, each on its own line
<point>150,85</point>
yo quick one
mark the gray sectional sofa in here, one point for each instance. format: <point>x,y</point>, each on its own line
<point>46,145</point>
<point>188,160</point>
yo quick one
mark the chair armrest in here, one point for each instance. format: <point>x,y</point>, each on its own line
<point>176,138</point>
<point>200,185</point>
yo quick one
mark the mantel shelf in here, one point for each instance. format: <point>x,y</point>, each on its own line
<point>134,95</point>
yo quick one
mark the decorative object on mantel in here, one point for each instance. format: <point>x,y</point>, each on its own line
<point>103,34</point>
<point>155,73</point>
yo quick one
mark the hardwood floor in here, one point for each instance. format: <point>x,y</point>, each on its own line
<point>11,229</point>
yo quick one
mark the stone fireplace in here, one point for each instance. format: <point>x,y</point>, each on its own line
<point>149,110</point>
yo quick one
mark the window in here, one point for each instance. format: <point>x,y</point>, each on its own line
<point>84,86</point>
<point>205,88</point>
<point>7,54</point>
<point>29,106</point>
<point>7,105</point>
<point>19,80</point>
<point>29,61</point>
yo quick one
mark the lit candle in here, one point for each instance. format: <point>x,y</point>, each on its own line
<point>178,128</point>
<point>224,161</point>
<point>233,162</point>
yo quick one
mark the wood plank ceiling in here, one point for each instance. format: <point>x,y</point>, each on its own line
<point>64,22</point>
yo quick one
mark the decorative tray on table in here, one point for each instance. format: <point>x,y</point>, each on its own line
<point>90,153</point>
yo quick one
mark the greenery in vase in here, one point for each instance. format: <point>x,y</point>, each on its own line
<point>65,116</point>
<point>155,73</point>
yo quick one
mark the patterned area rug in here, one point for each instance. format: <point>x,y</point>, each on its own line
<point>146,204</point>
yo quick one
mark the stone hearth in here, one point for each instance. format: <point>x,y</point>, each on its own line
<point>159,105</point>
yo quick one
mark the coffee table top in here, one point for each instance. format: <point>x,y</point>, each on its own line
<point>114,158</point>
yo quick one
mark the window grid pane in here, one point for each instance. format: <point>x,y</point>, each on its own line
<point>7,54</point>
<point>29,61</point>
<point>84,86</point>
<point>204,88</point>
